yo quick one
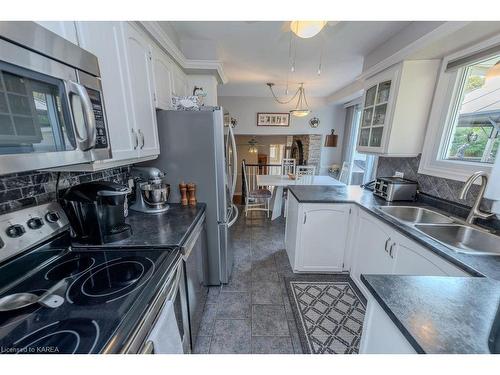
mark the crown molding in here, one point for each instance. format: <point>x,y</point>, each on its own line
<point>213,67</point>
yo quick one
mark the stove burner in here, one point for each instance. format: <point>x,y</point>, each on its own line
<point>70,267</point>
<point>110,281</point>
<point>62,337</point>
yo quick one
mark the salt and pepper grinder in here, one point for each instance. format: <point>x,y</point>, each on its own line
<point>192,194</point>
<point>183,191</point>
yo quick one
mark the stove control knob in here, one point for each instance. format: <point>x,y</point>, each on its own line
<point>35,223</point>
<point>52,217</point>
<point>15,230</point>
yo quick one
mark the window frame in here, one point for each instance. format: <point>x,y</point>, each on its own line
<point>439,125</point>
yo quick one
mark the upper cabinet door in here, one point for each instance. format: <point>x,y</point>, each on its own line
<point>105,40</point>
<point>162,76</point>
<point>141,89</point>
<point>180,82</point>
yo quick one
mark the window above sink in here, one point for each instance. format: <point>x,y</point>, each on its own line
<point>463,134</point>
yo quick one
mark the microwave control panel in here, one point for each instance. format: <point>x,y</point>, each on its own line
<point>101,132</point>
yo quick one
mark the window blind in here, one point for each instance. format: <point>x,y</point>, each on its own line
<point>472,58</point>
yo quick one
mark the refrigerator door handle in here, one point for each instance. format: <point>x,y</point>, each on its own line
<point>235,162</point>
<point>234,210</point>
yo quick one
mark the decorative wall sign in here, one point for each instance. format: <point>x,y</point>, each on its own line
<point>273,119</point>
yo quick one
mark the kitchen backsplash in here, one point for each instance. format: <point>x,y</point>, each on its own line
<point>436,186</point>
<point>32,188</point>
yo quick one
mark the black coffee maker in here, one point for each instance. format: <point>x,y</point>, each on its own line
<point>96,212</point>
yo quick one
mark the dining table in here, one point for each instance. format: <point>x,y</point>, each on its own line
<point>280,182</point>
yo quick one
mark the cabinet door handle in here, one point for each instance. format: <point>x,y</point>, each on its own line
<point>136,139</point>
<point>391,249</point>
<point>386,243</point>
<point>142,138</point>
<point>305,217</point>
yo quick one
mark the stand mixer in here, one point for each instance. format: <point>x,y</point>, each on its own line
<point>151,192</point>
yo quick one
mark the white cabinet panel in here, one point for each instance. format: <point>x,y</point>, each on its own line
<point>372,244</point>
<point>162,76</point>
<point>105,40</point>
<point>380,335</point>
<point>141,88</point>
<point>180,81</point>
<point>323,237</point>
<point>413,259</point>
<point>291,228</point>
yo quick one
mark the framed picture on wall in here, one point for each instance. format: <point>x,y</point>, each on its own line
<point>273,119</point>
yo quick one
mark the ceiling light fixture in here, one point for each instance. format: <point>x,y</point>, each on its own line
<point>253,146</point>
<point>306,29</point>
<point>301,108</point>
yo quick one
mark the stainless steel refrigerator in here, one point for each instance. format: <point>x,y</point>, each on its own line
<point>196,146</point>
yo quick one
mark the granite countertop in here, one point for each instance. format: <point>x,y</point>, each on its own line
<point>476,265</point>
<point>439,314</point>
<point>169,228</point>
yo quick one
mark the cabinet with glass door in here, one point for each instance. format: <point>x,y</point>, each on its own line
<point>395,108</point>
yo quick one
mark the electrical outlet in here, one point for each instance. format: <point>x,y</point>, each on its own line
<point>399,174</point>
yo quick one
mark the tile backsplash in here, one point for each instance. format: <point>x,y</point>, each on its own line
<point>32,188</point>
<point>436,186</point>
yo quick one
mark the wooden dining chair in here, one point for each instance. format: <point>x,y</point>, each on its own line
<point>306,170</point>
<point>288,166</point>
<point>256,199</point>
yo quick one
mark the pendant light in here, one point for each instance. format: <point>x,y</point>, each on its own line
<point>253,146</point>
<point>302,108</point>
<point>306,29</point>
<point>331,139</point>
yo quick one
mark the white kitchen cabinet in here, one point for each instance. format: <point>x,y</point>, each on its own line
<point>162,79</point>
<point>380,249</point>
<point>65,29</point>
<point>317,237</point>
<point>380,335</point>
<point>413,259</point>
<point>371,248</point>
<point>105,40</point>
<point>180,82</point>
<point>395,108</point>
<point>140,84</point>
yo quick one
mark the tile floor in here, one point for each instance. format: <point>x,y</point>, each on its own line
<point>252,313</point>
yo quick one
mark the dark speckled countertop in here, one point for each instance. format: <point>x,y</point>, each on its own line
<point>476,265</point>
<point>456,312</point>
<point>439,314</point>
<point>169,228</point>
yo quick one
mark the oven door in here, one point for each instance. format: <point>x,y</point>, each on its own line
<point>47,117</point>
<point>170,333</point>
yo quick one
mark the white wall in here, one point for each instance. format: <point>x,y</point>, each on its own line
<point>245,109</point>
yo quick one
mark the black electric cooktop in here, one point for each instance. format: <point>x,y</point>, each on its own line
<point>105,294</point>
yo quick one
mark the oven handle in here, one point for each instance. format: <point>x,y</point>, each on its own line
<point>76,89</point>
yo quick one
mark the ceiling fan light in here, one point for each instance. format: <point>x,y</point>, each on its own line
<point>306,29</point>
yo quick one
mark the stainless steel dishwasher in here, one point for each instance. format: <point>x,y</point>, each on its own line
<point>194,253</point>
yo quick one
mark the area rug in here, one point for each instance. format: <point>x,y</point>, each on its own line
<point>329,312</point>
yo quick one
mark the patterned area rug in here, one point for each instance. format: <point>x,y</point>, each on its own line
<point>329,312</point>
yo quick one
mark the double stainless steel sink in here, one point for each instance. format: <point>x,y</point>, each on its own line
<point>451,232</point>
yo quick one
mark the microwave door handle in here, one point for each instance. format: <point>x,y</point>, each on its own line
<point>79,90</point>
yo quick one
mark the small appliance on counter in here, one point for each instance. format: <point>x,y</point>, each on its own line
<point>395,189</point>
<point>151,191</point>
<point>96,212</point>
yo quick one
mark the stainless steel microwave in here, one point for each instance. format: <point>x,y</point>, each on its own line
<point>51,102</point>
